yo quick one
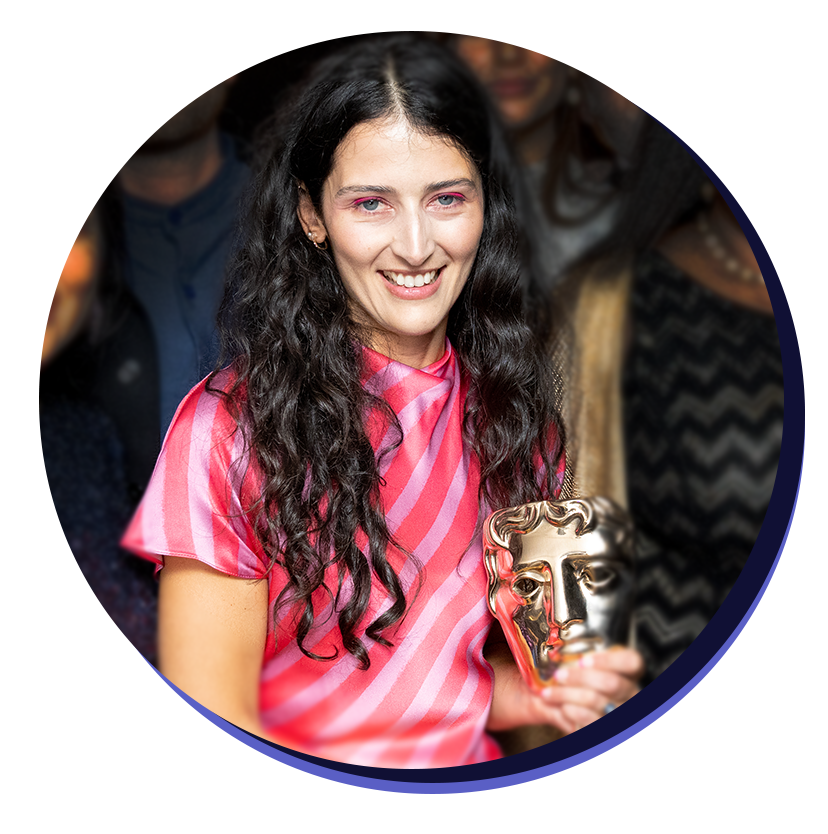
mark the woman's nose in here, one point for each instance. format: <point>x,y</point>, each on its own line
<point>413,239</point>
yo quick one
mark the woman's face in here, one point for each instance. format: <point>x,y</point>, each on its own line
<point>403,214</point>
<point>525,85</point>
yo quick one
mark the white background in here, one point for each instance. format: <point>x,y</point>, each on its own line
<point>92,739</point>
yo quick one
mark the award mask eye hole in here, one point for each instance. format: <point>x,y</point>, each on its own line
<point>598,576</point>
<point>525,587</point>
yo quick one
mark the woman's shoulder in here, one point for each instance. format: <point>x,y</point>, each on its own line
<point>208,414</point>
<point>195,504</point>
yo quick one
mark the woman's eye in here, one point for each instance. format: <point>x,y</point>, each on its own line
<point>448,200</point>
<point>369,205</point>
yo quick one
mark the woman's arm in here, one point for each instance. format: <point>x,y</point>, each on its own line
<point>211,638</point>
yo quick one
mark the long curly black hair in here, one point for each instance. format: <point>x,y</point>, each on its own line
<point>296,392</point>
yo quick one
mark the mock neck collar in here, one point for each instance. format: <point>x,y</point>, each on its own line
<point>375,363</point>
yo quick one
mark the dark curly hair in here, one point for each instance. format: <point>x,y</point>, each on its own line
<point>296,392</point>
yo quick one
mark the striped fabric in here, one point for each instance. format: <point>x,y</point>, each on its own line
<point>423,702</point>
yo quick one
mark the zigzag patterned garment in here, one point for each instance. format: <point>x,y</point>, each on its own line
<point>422,703</point>
<point>703,412</point>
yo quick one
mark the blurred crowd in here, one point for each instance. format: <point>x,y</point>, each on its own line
<point>637,274</point>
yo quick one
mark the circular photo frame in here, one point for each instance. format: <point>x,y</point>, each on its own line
<point>675,681</point>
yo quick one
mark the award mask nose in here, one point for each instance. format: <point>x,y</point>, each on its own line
<point>568,602</point>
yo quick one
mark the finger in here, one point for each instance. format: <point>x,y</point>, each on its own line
<point>579,716</point>
<point>569,708</point>
<point>557,717</point>
<point>617,688</point>
<point>620,659</point>
<point>607,685</point>
<point>588,697</point>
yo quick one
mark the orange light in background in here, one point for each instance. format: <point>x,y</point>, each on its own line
<point>73,296</point>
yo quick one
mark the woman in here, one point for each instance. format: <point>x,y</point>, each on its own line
<point>383,393</point>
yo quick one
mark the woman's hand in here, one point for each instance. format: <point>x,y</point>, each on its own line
<point>583,691</point>
<point>587,688</point>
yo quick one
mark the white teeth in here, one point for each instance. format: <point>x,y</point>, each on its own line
<point>420,280</point>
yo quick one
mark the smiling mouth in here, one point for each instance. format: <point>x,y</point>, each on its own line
<point>411,279</point>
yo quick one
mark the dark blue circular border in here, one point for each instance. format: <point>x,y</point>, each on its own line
<point>679,678</point>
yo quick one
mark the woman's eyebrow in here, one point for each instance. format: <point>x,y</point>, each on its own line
<point>384,189</point>
<point>463,181</point>
<point>364,189</point>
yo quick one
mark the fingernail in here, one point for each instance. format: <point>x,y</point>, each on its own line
<point>586,661</point>
<point>561,674</point>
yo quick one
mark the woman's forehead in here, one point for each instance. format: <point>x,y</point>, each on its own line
<point>390,153</point>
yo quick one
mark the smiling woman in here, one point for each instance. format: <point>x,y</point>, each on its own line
<point>316,507</point>
<point>404,248</point>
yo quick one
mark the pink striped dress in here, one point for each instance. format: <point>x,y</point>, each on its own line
<point>424,701</point>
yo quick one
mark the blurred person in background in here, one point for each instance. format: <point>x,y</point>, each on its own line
<point>131,329</point>
<point>180,195</point>
<point>676,393</point>
<point>574,137</point>
<point>83,450</point>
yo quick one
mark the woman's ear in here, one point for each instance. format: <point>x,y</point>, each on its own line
<point>310,220</point>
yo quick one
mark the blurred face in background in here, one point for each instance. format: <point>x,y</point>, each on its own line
<point>190,123</point>
<point>75,291</point>
<point>526,86</point>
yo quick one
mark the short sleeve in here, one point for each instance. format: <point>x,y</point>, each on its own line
<point>192,506</point>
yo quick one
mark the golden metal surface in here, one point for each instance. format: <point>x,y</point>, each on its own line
<point>561,580</point>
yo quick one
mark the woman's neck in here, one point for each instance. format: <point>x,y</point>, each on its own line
<point>414,351</point>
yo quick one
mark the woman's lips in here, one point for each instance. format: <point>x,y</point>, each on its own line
<point>413,292</point>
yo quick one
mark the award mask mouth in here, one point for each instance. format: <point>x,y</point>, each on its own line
<point>550,656</point>
<point>553,647</point>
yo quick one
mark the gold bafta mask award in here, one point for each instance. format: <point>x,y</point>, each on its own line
<point>561,581</point>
